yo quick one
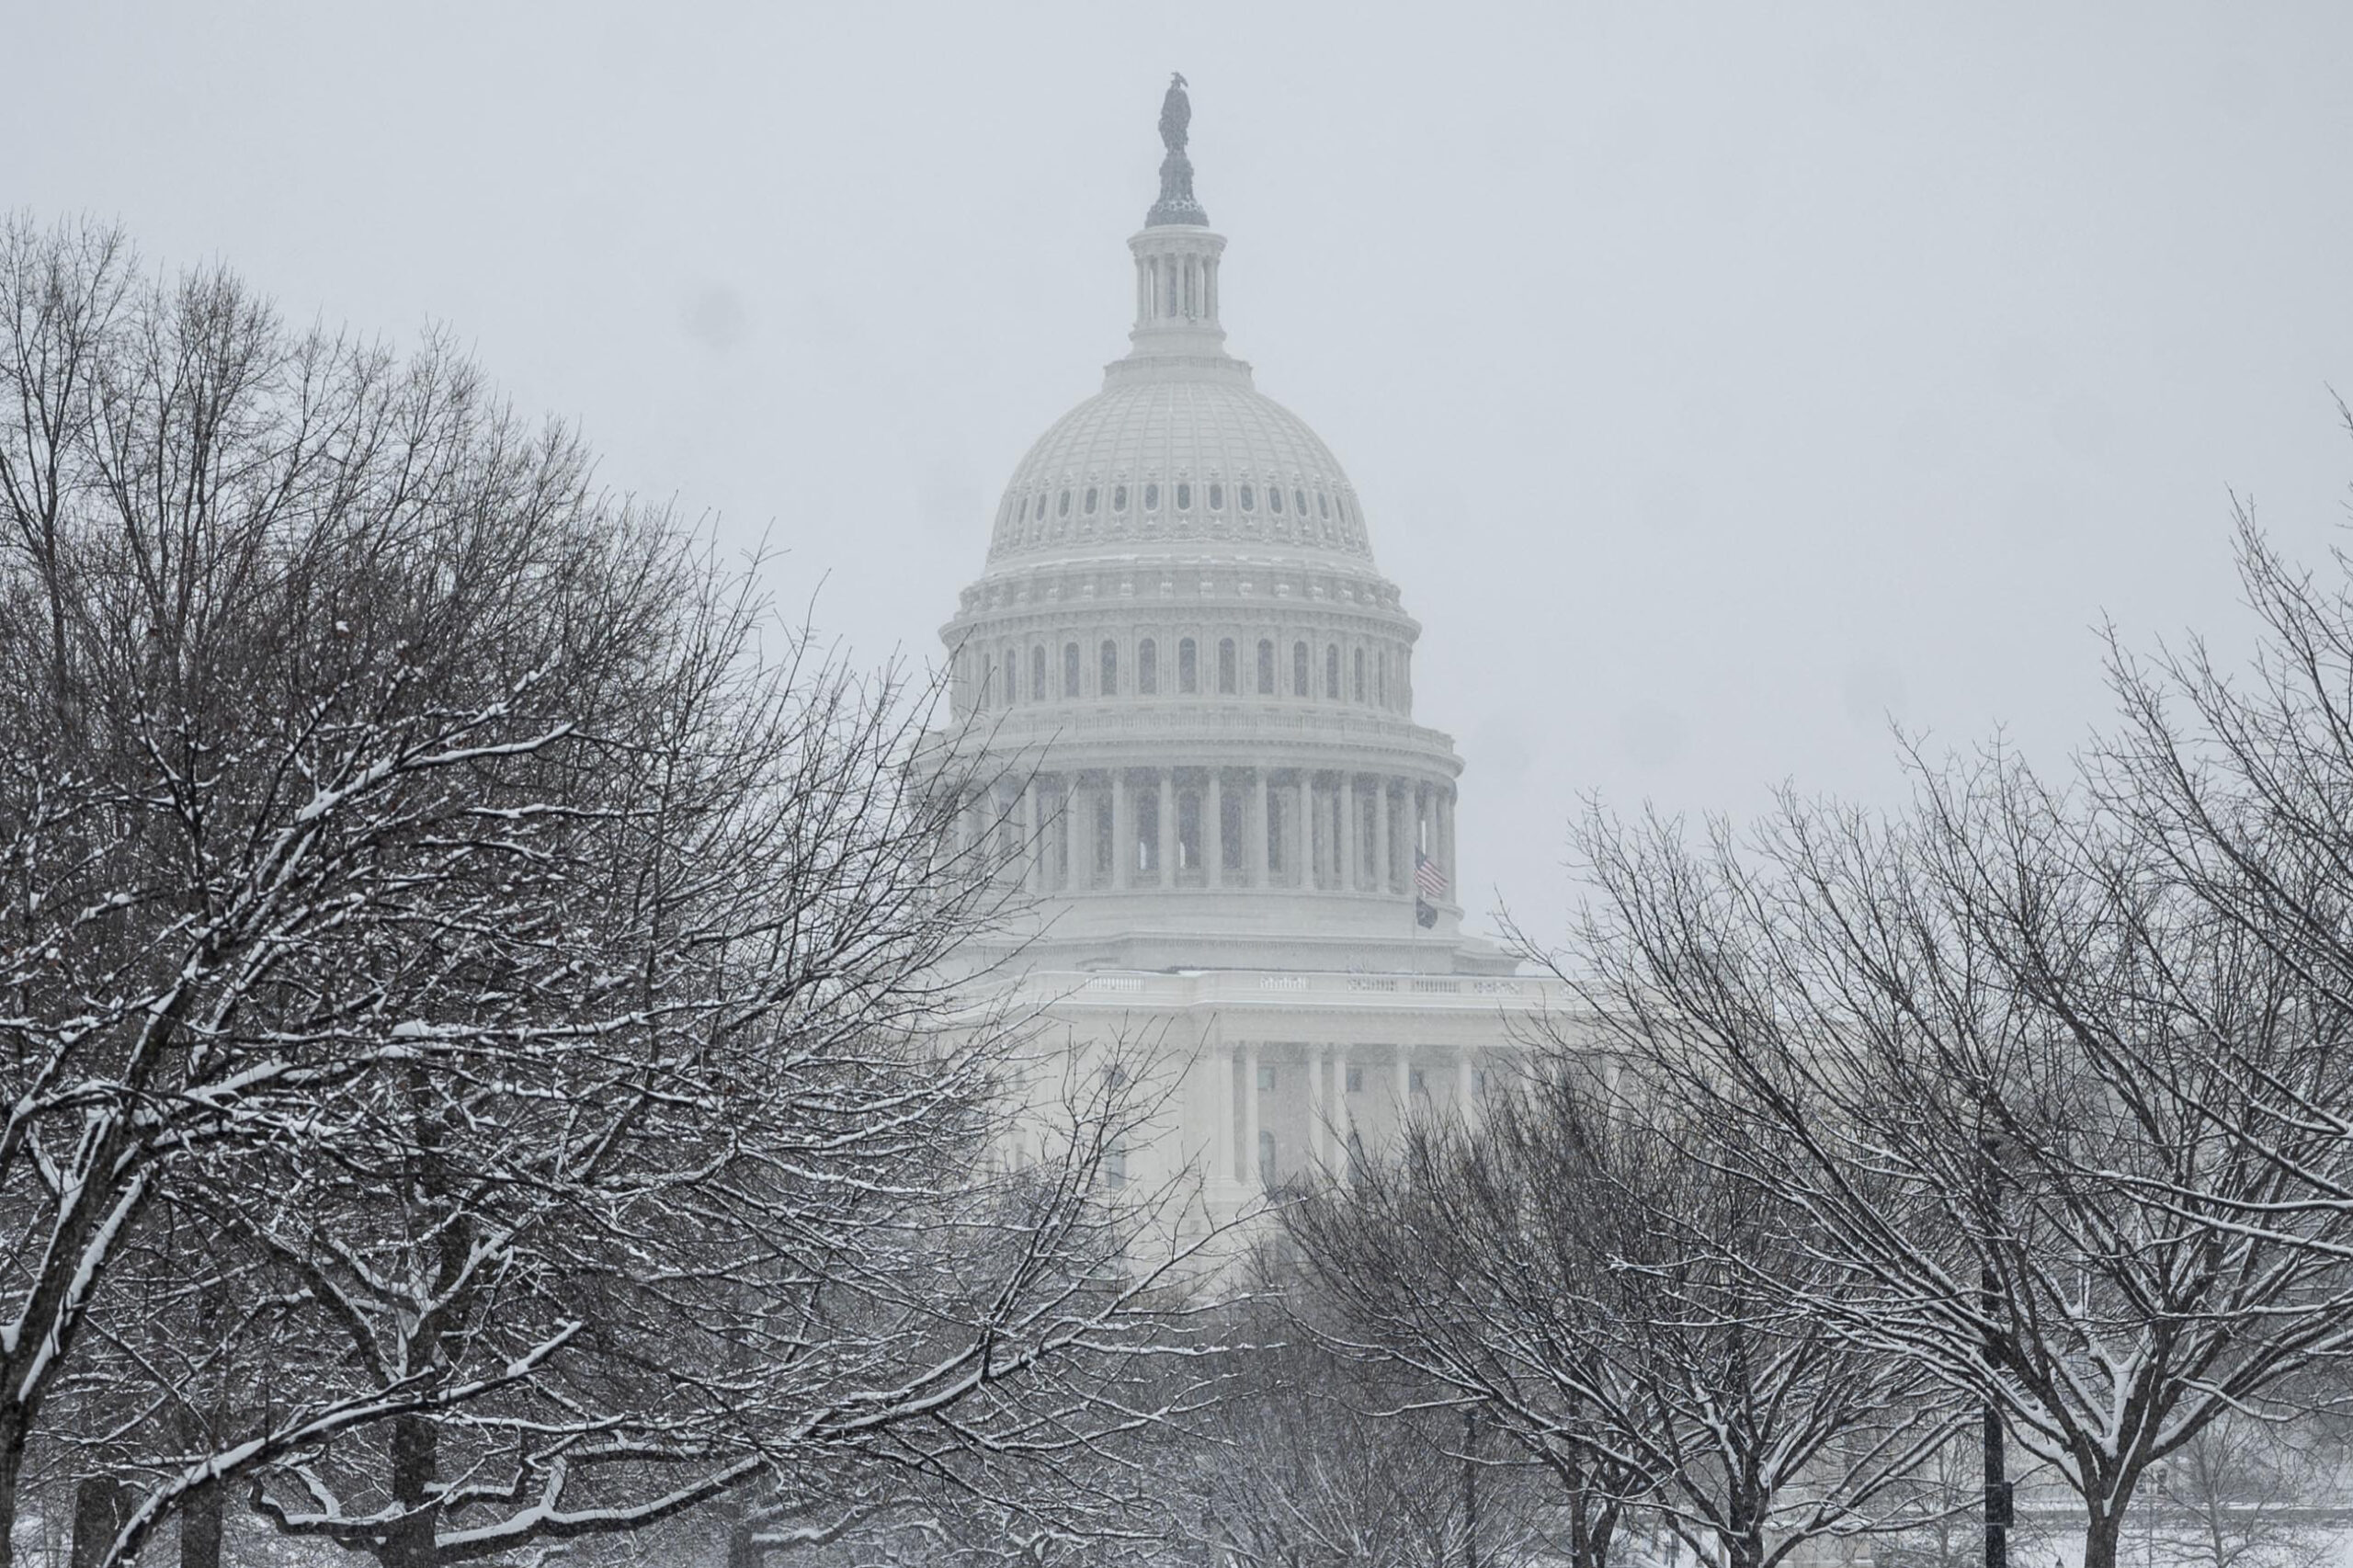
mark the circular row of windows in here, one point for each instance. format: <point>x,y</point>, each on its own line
<point>1247,496</point>
<point>992,677</point>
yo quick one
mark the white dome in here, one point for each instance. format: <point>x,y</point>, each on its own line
<point>1186,458</point>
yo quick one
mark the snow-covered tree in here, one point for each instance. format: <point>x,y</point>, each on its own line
<point>480,1063</point>
<point>1585,1276</point>
<point>2017,1083</point>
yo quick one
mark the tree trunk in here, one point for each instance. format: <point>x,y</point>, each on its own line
<point>1745,1542</point>
<point>201,1527</point>
<point>97,1514</point>
<point>742,1552</point>
<point>411,1542</point>
<point>12,1469</point>
<point>2101,1533</point>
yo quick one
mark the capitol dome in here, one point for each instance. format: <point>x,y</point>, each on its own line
<point>1189,686</point>
<point>1174,457</point>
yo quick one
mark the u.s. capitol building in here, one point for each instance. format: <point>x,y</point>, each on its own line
<point>1195,689</point>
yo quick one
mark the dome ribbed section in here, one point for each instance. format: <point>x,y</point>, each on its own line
<point>1176,462</point>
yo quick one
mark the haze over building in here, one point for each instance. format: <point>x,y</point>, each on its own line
<point>1196,688</point>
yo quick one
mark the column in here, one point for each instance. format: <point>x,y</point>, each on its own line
<point>1167,848</point>
<point>1255,830</point>
<point>1123,834</point>
<point>1033,839</point>
<point>1304,799</point>
<point>1218,1066</point>
<point>1351,835</point>
<point>1405,1087</point>
<point>1072,876</point>
<point>1319,1107</point>
<point>1382,830</point>
<point>1446,841</point>
<point>1254,1178</point>
<point>1466,1095</point>
<point>1213,830</point>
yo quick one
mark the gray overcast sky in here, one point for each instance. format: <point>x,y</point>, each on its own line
<point>1718,380</point>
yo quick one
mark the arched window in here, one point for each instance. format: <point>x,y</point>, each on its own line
<point>1380,678</point>
<point>1323,505</point>
<point>1090,500</point>
<point>1356,692</point>
<point>1274,499</point>
<point>1147,668</point>
<point>1266,667</point>
<point>1070,669</point>
<point>1249,498</point>
<point>1037,674</point>
<point>1119,498</point>
<point>1300,496</point>
<point>1151,498</point>
<point>1227,675</point>
<point>1298,669</point>
<point>1108,677</point>
<point>1188,667</point>
<point>1063,510</point>
<point>1332,672</point>
<point>983,695</point>
<point>1217,498</point>
<point>1183,497</point>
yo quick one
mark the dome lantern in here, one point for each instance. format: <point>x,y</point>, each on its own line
<point>1177,256</point>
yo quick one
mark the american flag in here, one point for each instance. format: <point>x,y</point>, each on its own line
<point>1428,881</point>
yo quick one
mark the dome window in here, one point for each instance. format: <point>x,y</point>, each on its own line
<point>1090,500</point>
<point>1217,498</point>
<point>1299,498</point>
<point>1183,497</point>
<point>1037,674</point>
<point>1249,498</point>
<point>1356,689</point>
<point>1064,511</point>
<point>1227,674</point>
<point>1332,672</point>
<point>1119,498</point>
<point>1323,505</point>
<point>1188,667</point>
<point>1070,669</point>
<point>1298,669</point>
<point>1274,499</point>
<point>1147,668</point>
<point>1109,673</point>
<point>1151,498</point>
<point>1266,666</point>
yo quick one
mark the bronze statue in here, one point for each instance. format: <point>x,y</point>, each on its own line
<point>1176,204</point>
<point>1176,113</point>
